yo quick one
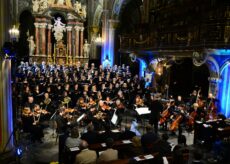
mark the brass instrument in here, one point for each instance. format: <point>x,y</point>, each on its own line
<point>100,116</point>
<point>47,101</point>
<point>66,101</point>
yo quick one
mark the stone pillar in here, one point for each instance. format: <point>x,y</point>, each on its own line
<point>213,85</point>
<point>6,112</point>
<point>37,37</point>
<point>112,26</point>
<point>49,47</point>
<point>76,42</point>
<point>69,40</point>
<point>105,36</point>
<point>43,38</point>
<point>81,41</point>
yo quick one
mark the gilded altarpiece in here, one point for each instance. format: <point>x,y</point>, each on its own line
<point>58,40</point>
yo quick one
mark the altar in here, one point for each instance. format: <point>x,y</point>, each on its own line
<point>59,32</point>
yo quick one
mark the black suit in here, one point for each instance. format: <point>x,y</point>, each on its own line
<point>156,107</point>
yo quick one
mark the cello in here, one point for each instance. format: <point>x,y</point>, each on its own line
<point>175,124</point>
<point>165,114</point>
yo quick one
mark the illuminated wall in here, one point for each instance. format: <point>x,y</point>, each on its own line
<point>142,68</point>
<point>6,116</point>
<point>222,57</point>
<point>224,90</point>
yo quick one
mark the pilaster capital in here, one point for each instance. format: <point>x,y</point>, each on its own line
<point>82,29</point>
<point>50,26</point>
<point>43,25</point>
<point>113,23</point>
<point>36,24</point>
<point>69,28</point>
<point>77,28</point>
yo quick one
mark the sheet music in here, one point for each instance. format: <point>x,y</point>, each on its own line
<point>126,141</point>
<point>114,118</point>
<point>143,110</point>
<point>115,131</point>
<point>74,148</point>
<point>103,144</point>
<point>149,156</point>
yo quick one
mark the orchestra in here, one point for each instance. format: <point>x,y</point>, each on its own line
<point>75,90</point>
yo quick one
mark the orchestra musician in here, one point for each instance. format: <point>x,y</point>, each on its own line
<point>120,109</point>
<point>47,104</point>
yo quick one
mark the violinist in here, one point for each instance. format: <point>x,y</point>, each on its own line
<point>103,106</point>
<point>91,104</point>
<point>108,101</point>
<point>81,105</point>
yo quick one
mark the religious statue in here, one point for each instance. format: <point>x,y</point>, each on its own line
<point>86,49</point>
<point>58,29</point>
<point>35,5</point>
<point>80,9</point>
<point>39,5</point>
<point>43,5</point>
<point>31,45</point>
<point>84,11</point>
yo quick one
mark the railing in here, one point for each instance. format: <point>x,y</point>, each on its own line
<point>150,43</point>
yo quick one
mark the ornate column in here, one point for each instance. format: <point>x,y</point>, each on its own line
<point>49,47</point>
<point>76,42</point>
<point>81,41</point>
<point>69,40</point>
<point>43,38</point>
<point>37,37</point>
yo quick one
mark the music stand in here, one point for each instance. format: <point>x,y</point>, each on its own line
<point>142,111</point>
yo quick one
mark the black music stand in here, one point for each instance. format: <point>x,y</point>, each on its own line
<point>142,111</point>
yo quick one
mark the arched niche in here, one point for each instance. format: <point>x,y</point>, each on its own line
<point>214,75</point>
<point>224,90</point>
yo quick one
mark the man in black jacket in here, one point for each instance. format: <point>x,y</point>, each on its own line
<point>155,107</point>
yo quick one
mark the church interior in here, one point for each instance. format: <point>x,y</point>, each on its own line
<point>114,81</point>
